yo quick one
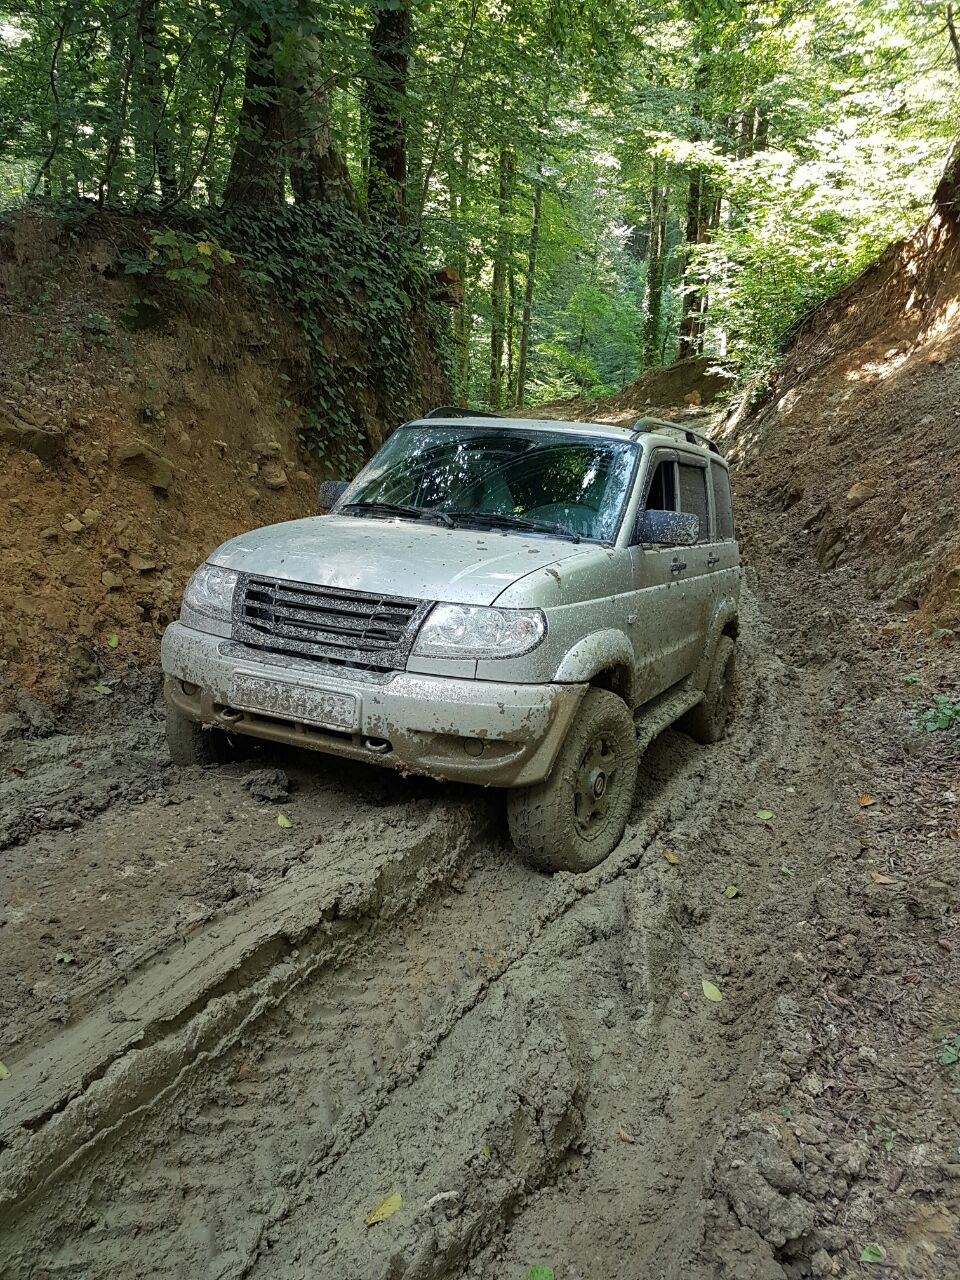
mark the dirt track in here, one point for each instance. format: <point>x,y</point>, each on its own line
<point>529,1062</point>
<point>515,1032</point>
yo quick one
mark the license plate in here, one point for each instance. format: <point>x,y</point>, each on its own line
<point>319,707</point>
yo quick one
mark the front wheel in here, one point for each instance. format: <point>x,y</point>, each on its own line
<point>574,819</point>
<point>190,743</point>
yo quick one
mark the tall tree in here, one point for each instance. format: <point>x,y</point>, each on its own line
<point>386,102</point>
<point>498,286</point>
<point>258,165</point>
<point>656,262</point>
<point>526,320</point>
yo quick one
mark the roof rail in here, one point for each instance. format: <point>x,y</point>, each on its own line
<point>643,425</point>
<point>458,411</point>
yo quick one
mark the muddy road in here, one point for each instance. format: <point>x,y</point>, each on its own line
<point>251,1035</point>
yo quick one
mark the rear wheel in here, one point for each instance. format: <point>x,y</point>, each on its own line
<point>190,743</point>
<point>574,819</point>
<point>707,721</point>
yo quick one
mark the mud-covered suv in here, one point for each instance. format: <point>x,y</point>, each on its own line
<point>522,604</point>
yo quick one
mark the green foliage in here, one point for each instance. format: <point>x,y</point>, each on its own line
<point>706,171</point>
<point>179,258</point>
<point>943,713</point>
<point>353,293</point>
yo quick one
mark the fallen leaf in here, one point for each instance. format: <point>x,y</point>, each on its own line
<point>385,1209</point>
<point>764,815</point>
<point>873,1253</point>
<point>102,688</point>
<point>626,1137</point>
<point>485,1151</point>
<point>865,801</point>
<point>671,857</point>
<point>710,991</point>
<point>283,821</point>
<point>878,878</point>
<point>731,891</point>
<point>66,957</point>
<point>113,641</point>
<point>4,1071</point>
<point>541,1273</point>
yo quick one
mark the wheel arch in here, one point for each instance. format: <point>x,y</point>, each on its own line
<point>603,660</point>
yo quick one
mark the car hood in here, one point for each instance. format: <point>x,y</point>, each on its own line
<point>394,557</point>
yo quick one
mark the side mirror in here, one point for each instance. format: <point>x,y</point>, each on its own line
<point>329,492</point>
<point>668,528</point>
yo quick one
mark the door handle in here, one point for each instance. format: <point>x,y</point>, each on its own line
<point>678,566</point>
<point>712,560</point>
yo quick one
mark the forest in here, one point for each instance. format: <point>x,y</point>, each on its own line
<point>614,184</point>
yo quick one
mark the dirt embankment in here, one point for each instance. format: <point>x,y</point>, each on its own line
<point>678,391</point>
<point>858,440</point>
<point>127,454</point>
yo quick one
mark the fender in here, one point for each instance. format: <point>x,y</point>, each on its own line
<point>727,611</point>
<point>595,653</point>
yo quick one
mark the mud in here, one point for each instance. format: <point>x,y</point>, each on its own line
<point>529,1061</point>
<point>393,1005</point>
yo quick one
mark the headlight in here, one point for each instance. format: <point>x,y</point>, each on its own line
<point>210,592</point>
<point>475,631</point>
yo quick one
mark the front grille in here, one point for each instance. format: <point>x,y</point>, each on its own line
<point>345,627</point>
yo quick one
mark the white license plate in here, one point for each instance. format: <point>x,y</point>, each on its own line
<point>319,707</point>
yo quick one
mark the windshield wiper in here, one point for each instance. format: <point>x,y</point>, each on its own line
<point>400,509</point>
<point>515,522</point>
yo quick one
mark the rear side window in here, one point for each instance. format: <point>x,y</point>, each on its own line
<point>722,503</point>
<point>693,496</point>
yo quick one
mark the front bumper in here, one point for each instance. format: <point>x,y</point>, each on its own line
<point>504,735</point>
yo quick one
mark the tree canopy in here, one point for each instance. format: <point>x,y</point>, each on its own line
<point>615,183</point>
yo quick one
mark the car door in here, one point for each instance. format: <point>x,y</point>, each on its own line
<point>658,623</point>
<point>697,577</point>
<point>724,558</point>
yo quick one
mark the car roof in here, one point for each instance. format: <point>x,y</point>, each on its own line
<point>656,430</point>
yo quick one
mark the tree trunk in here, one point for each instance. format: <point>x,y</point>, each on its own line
<point>748,122</point>
<point>761,135</point>
<point>124,46</point>
<point>688,338</point>
<point>499,282</point>
<point>318,171</point>
<point>257,167</point>
<point>386,112</point>
<point>656,254</point>
<point>163,162</point>
<point>946,198</point>
<point>511,324</point>
<point>528,288</point>
<point>457,178</point>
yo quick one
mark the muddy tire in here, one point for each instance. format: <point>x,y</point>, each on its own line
<point>190,743</point>
<point>707,721</point>
<point>577,817</point>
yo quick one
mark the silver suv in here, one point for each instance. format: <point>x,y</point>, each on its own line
<point>522,604</point>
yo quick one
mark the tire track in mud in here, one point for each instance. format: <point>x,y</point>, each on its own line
<point>455,1058</point>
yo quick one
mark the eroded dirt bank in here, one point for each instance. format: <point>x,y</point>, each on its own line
<point>529,1062</point>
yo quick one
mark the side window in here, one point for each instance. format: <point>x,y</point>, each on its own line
<point>722,502</point>
<point>693,496</point>
<point>662,495</point>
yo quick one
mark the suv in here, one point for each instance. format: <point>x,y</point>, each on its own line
<point>522,604</point>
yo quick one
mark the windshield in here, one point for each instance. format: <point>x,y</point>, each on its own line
<point>542,481</point>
